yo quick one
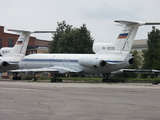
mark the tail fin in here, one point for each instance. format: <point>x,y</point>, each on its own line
<point>16,53</point>
<point>125,39</point>
<point>21,44</point>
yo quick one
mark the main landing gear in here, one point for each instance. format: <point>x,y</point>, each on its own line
<point>114,80</point>
<point>55,79</point>
<point>15,77</point>
<point>34,77</point>
<point>105,78</point>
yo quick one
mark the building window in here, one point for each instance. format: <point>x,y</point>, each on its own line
<point>0,43</point>
<point>10,42</point>
<point>34,52</point>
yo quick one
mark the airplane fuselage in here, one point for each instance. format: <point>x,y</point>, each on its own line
<point>75,62</point>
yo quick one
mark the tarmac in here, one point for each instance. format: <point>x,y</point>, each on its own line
<point>79,101</point>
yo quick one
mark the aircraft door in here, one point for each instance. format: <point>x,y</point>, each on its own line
<point>51,61</point>
<point>23,64</point>
<point>65,61</point>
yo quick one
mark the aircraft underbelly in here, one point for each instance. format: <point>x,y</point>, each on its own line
<point>9,67</point>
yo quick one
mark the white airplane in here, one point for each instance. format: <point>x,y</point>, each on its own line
<point>108,57</point>
<point>12,55</point>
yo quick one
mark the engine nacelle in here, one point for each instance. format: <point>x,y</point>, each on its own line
<point>92,62</point>
<point>3,63</point>
<point>130,59</point>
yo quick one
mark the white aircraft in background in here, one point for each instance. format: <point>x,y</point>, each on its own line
<point>12,55</point>
<point>108,57</point>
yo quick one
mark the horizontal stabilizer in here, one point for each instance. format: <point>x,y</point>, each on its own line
<point>131,23</point>
<point>25,31</point>
<point>152,23</point>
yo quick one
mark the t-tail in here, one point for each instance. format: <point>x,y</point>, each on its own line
<point>124,40</point>
<point>12,55</point>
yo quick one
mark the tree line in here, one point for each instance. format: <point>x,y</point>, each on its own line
<point>69,39</point>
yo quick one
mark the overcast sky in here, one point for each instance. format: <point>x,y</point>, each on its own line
<point>98,15</point>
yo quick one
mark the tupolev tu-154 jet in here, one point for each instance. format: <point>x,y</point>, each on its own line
<point>10,56</point>
<point>108,57</point>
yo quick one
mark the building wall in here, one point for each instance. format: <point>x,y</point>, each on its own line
<point>139,45</point>
<point>41,43</point>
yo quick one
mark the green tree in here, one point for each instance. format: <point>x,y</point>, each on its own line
<point>152,54</point>
<point>137,64</point>
<point>71,40</point>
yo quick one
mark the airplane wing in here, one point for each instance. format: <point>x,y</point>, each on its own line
<point>34,70</point>
<point>55,69</point>
<point>136,71</point>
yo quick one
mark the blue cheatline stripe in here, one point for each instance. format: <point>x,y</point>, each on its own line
<point>123,34</point>
<point>59,60</point>
<point>15,62</point>
<point>114,61</point>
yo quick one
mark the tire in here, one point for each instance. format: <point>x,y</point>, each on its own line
<point>51,80</point>
<point>34,79</point>
<point>60,80</point>
<point>16,78</point>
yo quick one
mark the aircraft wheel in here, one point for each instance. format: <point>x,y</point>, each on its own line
<point>60,80</point>
<point>16,78</point>
<point>51,80</point>
<point>35,79</point>
<point>104,80</point>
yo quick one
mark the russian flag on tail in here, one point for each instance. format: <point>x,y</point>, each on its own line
<point>19,42</point>
<point>122,36</point>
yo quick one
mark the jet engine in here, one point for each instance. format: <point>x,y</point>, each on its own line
<point>92,62</point>
<point>130,59</point>
<point>3,63</point>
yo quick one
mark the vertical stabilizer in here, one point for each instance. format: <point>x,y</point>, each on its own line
<point>16,53</point>
<point>21,44</point>
<point>19,49</point>
<point>124,40</point>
